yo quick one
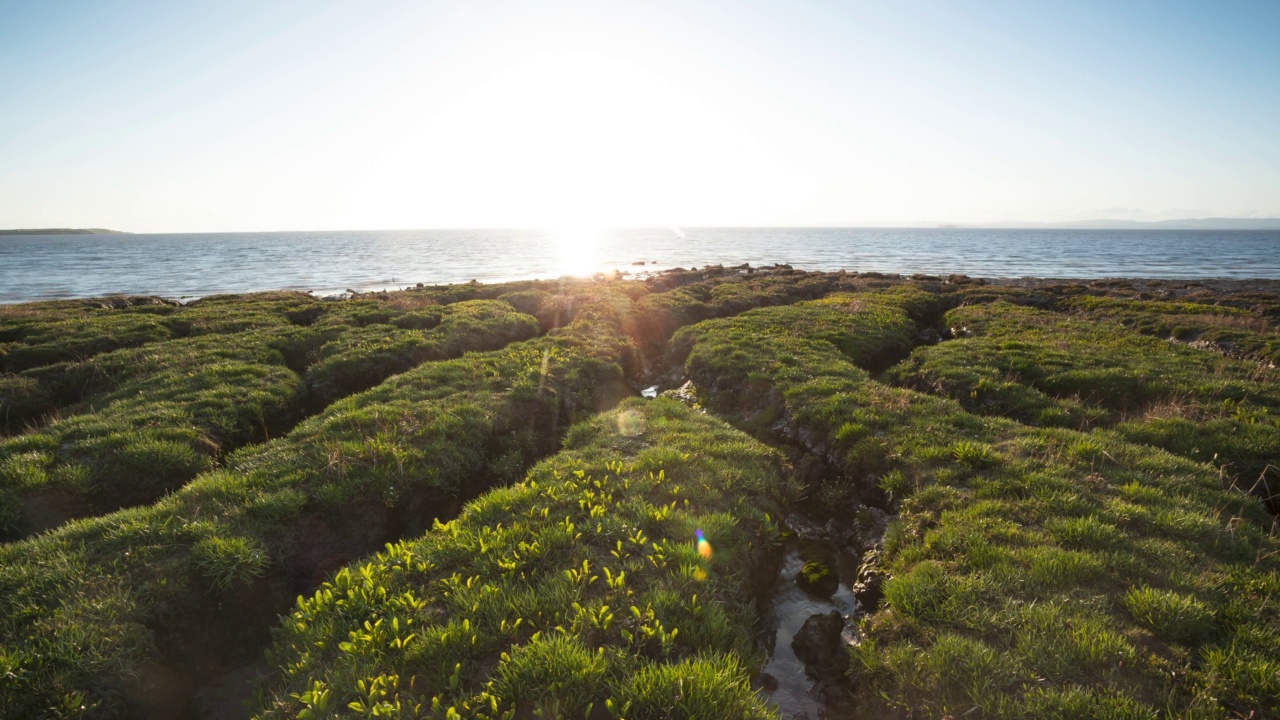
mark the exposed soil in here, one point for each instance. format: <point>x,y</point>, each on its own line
<point>211,641</point>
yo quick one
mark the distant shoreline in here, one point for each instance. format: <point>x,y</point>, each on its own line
<point>1168,288</point>
<point>63,231</point>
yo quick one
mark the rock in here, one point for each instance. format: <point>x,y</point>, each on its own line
<point>818,578</point>
<point>119,302</point>
<point>686,393</point>
<point>868,589</point>
<point>862,531</point>
<point>928,336</point>
<point>819,646</point>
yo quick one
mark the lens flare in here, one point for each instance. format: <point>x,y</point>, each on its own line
<point>704,547</point>
<point>630,423</point>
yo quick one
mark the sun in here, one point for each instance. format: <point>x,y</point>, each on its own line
<point>576,249</point>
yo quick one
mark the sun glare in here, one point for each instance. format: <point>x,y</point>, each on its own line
<point>576,249</point>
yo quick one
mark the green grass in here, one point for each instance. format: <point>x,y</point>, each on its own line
<point>163,585</point>
<point>1013,562</point>
<point>682,299</point>
<point>1244,332</point>
<point>758,369</point>
<point>51,342</point>
<point>49,349</point>
<point>76,337</point>
<point>158,415</point>
<point>359,358</point>
<point>1052,369</point>
<point>40,334</point>
<point>1065,545</point>
<point>577,590</point>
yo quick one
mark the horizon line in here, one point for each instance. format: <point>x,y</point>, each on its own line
<point>1087,224</point>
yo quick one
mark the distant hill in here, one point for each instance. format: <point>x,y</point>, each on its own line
<point>63,231</point>
<point>1188,224</point>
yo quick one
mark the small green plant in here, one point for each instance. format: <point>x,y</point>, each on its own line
<point>226,561</point>
<point>818,578</point>
<point>1085,532</point>
<point>973,454</point>
<point>1170,615</point>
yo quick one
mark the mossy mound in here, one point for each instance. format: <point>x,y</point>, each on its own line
<point>443,502</point>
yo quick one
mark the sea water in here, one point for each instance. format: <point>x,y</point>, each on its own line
<point>193,265</point>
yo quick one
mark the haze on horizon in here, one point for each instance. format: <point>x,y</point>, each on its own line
<point>150,116</point>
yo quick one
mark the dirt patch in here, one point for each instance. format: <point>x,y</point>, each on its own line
<point>47,508</point>
<point>211,641</point>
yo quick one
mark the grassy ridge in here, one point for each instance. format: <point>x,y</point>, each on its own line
<point>1047,560</point>
<point>681,299</point>
<point>39,334</point>
<point>1241,331</point>
<point>769,371</point>
<point>1051,369</point>
<point>168,410</point>
<point>579,589</point>
<point>119,614</point>
<point>44,346</point>
<point>1032,572</point>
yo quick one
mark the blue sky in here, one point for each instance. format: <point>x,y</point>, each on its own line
<point>161,116</point>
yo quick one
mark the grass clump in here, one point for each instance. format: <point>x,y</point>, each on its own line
<point>228,560</point>
<point>785,374</point>
<point>38,334</point>
<point>61,339</point>
<point>1236,331</point>
<point>362,357</point>
<point>680,299</point>
<point>1016,547</point>
<point>1057,370</point>
<point>579,590</point>
<point>163,586</point>
<point>973,454</point>
<point>1169,614</point>
<point>159,415</point>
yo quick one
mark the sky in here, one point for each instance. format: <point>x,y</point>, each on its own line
<point>156,116</point>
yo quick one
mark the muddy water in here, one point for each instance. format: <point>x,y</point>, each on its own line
<point>783,679</point>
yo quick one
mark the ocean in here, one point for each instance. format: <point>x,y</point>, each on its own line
<point>186,266</point>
